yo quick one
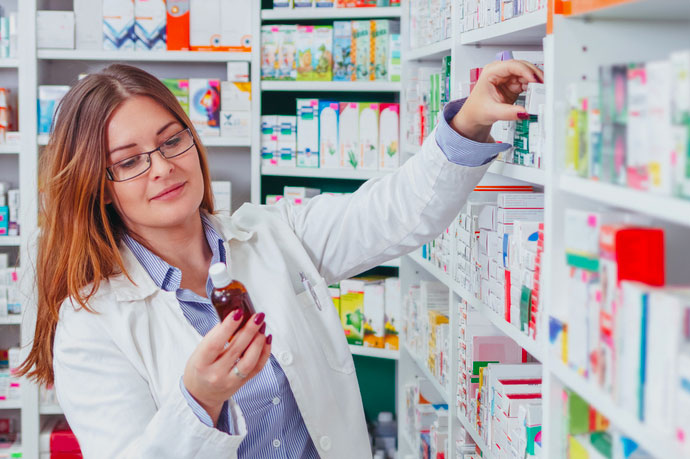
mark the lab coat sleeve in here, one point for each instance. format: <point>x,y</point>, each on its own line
<point>109,405</point>
<point>386,217</point>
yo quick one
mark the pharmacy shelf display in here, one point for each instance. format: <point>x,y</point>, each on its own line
<point>141,56</point>
<point>301,14</point>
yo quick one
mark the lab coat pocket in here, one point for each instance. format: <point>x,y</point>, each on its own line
<point>326,328</point>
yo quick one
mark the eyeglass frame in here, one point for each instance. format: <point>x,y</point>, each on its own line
<point>109,172</point>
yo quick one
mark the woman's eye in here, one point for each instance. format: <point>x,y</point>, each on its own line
<point>130,163</point>
<point>173,142</point>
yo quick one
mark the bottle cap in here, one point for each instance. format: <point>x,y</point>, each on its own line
<point>220,275</point>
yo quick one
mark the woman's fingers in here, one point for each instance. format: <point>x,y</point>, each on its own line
<point>213,344</point>
<point>507,112</point>
<point>247,365</point>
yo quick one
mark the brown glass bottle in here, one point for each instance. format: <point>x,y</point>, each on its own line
<point>228,295</point>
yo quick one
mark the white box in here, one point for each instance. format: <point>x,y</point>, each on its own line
<point>222,196</point>
<point>521,200</point>
<point>55,29</point>
<point>536,95</point>
<point>374,309</point>
<point>389,137</point>
<point>238,72</point>
<point>368,136</point>
<point>88,19</point>
<point>348,135</point>
<point>287,154</point>
<point>328,134</point>
<point>216,25</point>
<point>308,133</point>
<point>235,96</point>
<point>300,192</point>
<point>150,18</point>
<point>510,215</point>
<point>269,141</point>
<point>118,25</point>
<point>206,123</point>
<point>286,126</point>
<point>235,124</point>
<point>236,22</point>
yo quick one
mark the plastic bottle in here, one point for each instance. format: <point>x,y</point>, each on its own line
<point>229,295</point>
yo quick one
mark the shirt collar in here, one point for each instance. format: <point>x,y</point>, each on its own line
<point>163,275</point>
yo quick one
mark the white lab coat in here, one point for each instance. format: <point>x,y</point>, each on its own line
<point>117,372</point>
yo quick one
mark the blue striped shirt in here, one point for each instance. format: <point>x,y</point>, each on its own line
<point>275,428</point>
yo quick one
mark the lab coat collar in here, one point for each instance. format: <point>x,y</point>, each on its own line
<point>143,286</point>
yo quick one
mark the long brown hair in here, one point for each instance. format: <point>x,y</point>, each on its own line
<point>79,233</point>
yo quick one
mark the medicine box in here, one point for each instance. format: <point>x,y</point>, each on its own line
<point>382,29</point>
<point>368,135</point>
<point>282,4</point>
<point>49,97</point>
<point>235,96</point>
<point>236,25</point>
<point>303,3</point>
<point>286,126</point>
<point>300,192</point>
<point>361,49</point>
<point>305,58</point>
<point>177,25</point>
<point>4,220</point>
<point>235,124</point>
<point>389,136</point>
<point>269,141</point>
<point>118,25</point>
<point>150,25</point>
<point>222,196</point>
<point>322,46</point>
<point>287,53</point>
<point>328,134</point>
<point>342,51</point>
<point>217,25</point>
<point>204,106</point>
<point>348,135</point>
<point>55,29</point>
<point>287,154</point>
<point>269,52</point>
<point>238,72</point>
<point>88,19</point>
<point>394,63</point>
<point>374,315</point>
<point>307,133</point>
<point>180,89</point>
<point>393,320</point>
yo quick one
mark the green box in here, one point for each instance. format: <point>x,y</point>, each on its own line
<point>180,89</point>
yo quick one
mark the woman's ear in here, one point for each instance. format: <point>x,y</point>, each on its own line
<point>107,198</point>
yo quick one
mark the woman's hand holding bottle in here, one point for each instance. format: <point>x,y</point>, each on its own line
<point>225,359</point>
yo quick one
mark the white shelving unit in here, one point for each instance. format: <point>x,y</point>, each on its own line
<point>10,241</point>
<point>9,149</point>
<point>433,51</point>
<point>331,86</point>
<point>528,29</point>
<point>286,14</point>
<point>374,352</point>
<point>141,56</point>
<point>11,319</point>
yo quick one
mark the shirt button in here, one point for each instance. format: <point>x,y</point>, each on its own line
<point>286,358</point>
<point>276,443</point>
<point>325,442</point>
<point>276,400</point>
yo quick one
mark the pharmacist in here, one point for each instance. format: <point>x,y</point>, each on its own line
<point>125,329</point>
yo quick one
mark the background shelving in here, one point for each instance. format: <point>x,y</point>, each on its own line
<point>297,14</point>
<point>141,56</point>
<point>528,29</point>
<point>331,86</point>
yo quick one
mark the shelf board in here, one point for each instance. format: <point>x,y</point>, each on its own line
<point>475,436</point>
<point>348,174</point>
<point>648,10</point>
<point>50,409</point>
<point>335,86</point>
<point>442,391</point>
<point>517,172</point>
<point>528,344</point>
<point>142,56</point>
<point>10,404</point>
<point>429,52</point>
<point>208,141</point>
<point>9,63</point>
<point>659,443</point>
<point>394,263</point>
<point>9,149</point>
<point>11,319</point>
<point>10,241</point>
<point>527,29</point>
<point>668,208</point>
<point>288,14</point>
<point>374,352</point>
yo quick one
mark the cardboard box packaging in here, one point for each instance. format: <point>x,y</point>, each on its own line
<point>222,196</point>
<point>88,18</point>
<point>368,135</point>
<point>287,53</point>
<point>235,96</point>
<point>361,49</point>
<point>55,29</point>
<point>269,52</point>
<point>118,25</point>
<point>348,135</point>
<point>342,51</point>
<point>204,106</point>
<point>307,133</point>
<point>389,137</point>
<point>180,89</point>
<point>177,25</point>
<point>235,124</point>
<point>328,134</point>
<point>217,25</point>
<point>150,18</point>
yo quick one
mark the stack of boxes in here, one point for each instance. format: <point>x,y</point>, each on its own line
<point>10,385</point>
<point>10,299</point>
<point>426,417</point>
<point>333,135</point>
<point>426,93</point>
<point>430,22</point>
<point>9,210</point>
<point>475,14</point>
<point>333,3</point>
<point>236,101</point>
<point>366,50</point>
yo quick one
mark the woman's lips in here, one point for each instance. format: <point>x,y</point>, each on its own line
<point>170,192</point>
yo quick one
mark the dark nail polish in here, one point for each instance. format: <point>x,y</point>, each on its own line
<point>523,116</point>
<point>269,339</point>
<point>262,330</point>
<point>536,77</point>
<point>237,315</point>
<point>259,318</point>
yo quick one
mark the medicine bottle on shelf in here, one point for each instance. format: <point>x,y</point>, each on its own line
<point>229,295</point>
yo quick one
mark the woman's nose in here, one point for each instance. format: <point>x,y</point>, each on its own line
<point>160,165</point>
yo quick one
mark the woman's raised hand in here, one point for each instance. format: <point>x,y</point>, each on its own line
<point>225,359</point>
<point>493,97</point>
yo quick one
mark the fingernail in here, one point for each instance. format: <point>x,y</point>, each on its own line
<point>259,318</point>
<point>536,77</point>
<point>238,314</point>
<point>269,339</point>
<point>523,116</point>
<point>262,330</point>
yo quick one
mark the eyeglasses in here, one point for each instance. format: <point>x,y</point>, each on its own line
<point>136,165</point>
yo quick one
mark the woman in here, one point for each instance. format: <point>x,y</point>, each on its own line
<point>125,329</point>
